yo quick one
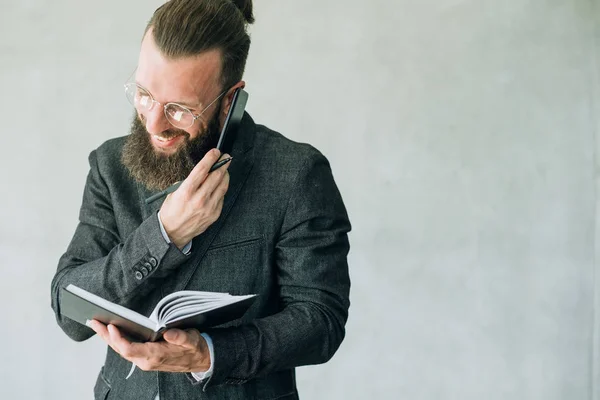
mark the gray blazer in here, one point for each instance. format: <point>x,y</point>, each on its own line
<point>282,234</point>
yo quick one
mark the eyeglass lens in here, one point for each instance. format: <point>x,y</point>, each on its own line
<point>178,116</point>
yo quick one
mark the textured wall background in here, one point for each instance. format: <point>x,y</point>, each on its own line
<point>462,134</point>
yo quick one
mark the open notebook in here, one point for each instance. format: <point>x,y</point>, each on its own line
<point>183,309</point>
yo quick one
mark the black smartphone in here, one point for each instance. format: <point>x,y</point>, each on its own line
<point>232,121</point>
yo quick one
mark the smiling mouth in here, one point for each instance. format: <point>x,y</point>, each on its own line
<point>163,142</point>
<point>164,139</point>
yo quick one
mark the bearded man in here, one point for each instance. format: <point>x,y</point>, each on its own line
<point>271,223</point>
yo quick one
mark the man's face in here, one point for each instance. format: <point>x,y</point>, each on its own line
<point>192,82</point>
<point>156,153</point>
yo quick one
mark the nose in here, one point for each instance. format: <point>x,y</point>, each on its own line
<point>156,123</point>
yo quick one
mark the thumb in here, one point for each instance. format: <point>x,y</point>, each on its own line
<point>176,336</point>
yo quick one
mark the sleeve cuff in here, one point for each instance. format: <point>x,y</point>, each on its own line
<point>199,376</point>
<point>186,249</point>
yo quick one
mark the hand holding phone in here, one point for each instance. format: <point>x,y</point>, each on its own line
<point>198,202</point>
<point>230,127</point>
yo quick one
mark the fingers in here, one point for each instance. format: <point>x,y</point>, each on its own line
<point>222,187</point>
<point>121,345</point>
<point>99,328</point>
<point>200,171</point>
<point>216,185</point>
<point>202,182</point>
<point>111,335</point>
<point>182,351</point>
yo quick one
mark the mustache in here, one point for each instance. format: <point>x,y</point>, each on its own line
<point>167,134</point>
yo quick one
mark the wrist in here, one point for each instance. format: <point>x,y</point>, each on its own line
<point>170,235</point>
<point>179,243</point>
<point>204,352</point>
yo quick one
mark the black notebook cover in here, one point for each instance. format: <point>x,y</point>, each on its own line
<point>81,310</point>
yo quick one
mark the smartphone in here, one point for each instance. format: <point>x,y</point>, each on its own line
<point>232,121</point>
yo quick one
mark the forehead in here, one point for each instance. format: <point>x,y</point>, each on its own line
<point>186,79</point>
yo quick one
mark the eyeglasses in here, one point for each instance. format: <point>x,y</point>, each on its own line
<point>179,116</point>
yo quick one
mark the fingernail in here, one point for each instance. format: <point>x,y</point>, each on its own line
<point>88,323</point>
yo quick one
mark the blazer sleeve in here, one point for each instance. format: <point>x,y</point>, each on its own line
<point>311,261</point>
<point>122,270</point>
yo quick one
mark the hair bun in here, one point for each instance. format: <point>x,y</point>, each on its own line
<point>245,7</point>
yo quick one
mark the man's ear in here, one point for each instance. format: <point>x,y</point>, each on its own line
<point>227,100</point>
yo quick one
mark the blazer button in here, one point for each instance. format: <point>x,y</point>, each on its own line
<point>148,266</point>
<point>153,262</point>
<point>138,275</point>
<point>144,271</point>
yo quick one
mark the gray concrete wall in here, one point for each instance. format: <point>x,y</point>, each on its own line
<point>462,134</point>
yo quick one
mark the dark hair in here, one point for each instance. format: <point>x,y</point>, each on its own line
<point>184,28</point>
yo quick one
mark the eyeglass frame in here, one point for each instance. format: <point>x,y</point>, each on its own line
<point>195,117</point>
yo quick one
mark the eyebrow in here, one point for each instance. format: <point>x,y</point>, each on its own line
<point>181,103</point>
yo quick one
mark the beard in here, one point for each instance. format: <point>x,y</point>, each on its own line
<point>158,171</point>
